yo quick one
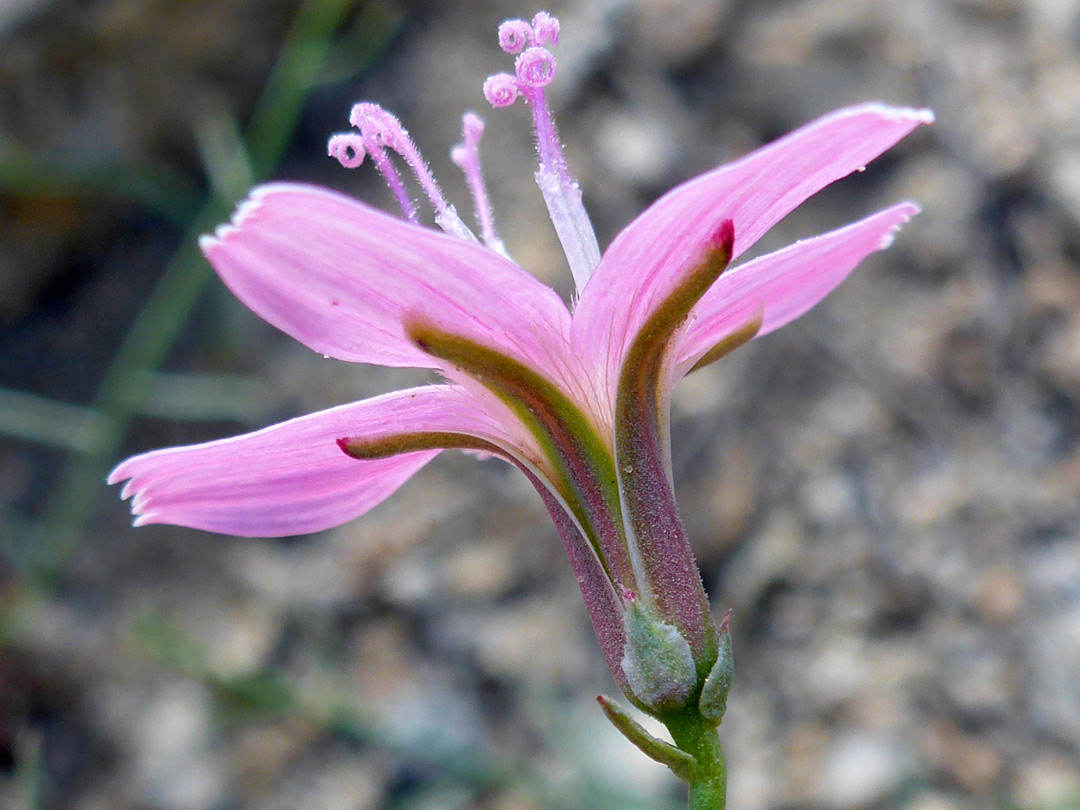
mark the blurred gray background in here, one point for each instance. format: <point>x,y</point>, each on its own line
<point>886,492</point>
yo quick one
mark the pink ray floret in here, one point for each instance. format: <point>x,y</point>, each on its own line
<point>576,399</point>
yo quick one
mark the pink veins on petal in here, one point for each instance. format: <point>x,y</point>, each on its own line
<point>341,277</point>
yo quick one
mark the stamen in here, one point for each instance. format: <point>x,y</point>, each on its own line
<point>383,128</point>
<point>466,156</point>
<point>514,36</point>
<point>545,29</point>
<point>501,90</point>
<point>534,70</point>
<point>350,150</point>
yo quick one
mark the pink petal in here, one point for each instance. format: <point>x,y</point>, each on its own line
<point>783,285</point>
<point>292,478</point>
<point>646,260</point>
<point>339,276</point>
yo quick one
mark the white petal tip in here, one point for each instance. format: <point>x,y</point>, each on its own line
<point>207,242</point>
<point>127,491</point>
<point>244,211</point>
<point>918,115</point>
<point>906,212</point>
<point>248,207</point>
<point>144,520</point>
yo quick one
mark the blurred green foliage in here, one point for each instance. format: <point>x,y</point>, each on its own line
<point>234,160</point>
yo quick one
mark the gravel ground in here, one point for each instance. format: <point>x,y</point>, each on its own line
<point>885,493</point>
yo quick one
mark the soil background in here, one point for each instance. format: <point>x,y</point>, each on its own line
<point>886,492</point>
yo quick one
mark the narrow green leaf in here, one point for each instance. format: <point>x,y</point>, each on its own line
<point>37,419</point>
<point>681,763</point>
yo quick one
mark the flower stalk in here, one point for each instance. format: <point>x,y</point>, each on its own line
<point>699,738</point>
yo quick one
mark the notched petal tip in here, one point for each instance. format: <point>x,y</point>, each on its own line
<point>247,208</point>
<point>923,115</point>
<point>888,239</point>
<point>907,210</point>
<point>117,474</point>
<point>129,488</point>
<point>127,473</point>
<point>140,502</point>
<point>210,243</point>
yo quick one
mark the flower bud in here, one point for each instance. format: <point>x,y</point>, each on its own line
<point>657,661</point>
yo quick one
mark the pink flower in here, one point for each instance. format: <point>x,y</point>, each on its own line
<point>578,400</point>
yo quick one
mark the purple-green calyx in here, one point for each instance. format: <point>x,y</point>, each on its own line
<point>657,661</point>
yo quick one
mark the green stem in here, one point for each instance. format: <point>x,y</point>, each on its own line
<point>697,736</point>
